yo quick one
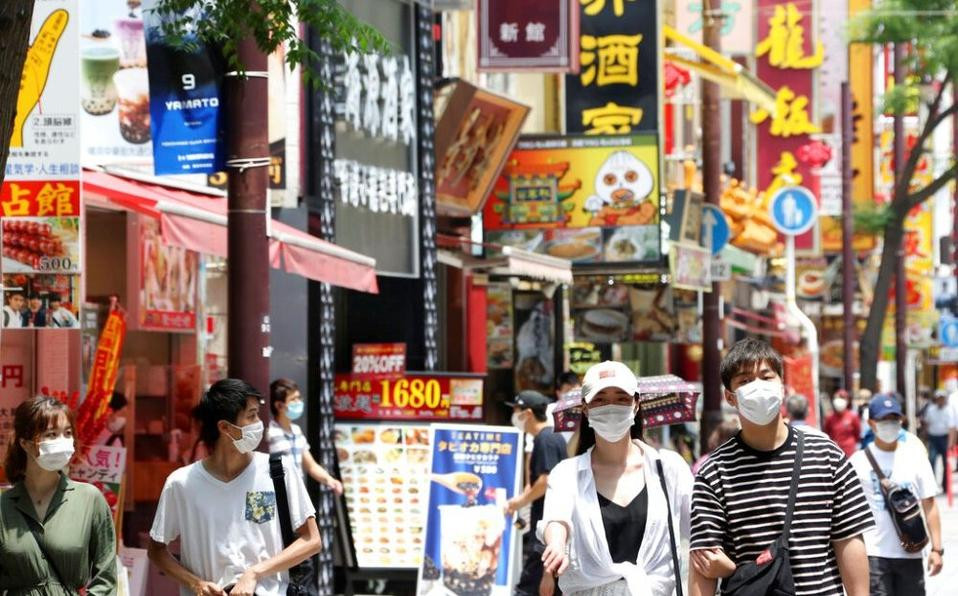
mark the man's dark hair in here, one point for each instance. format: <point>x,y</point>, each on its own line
<point>12,293</point>
<point>746,354</point>
<point>797,407</point>
<point>224,401</point>
<point>118,401</point>
<point>34,296</point>
<point>55,298</point>
<point>567,378</point>
<point>279,392</point>
<point>539,413</point>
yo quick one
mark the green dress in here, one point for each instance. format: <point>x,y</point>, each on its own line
<point>77,533</point>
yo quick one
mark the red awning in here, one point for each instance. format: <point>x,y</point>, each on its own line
<point>198,222</point>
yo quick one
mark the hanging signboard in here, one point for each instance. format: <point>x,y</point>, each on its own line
<point>186,121</point>
<point>538,36</point>
<point>691,267</point>
<point>583,198</point>
<point>500,332</point>
<point>617,88</point>
<point>411,396</point>
<point>163,280</point>
<point>477,131</point>
<point>469,541</point>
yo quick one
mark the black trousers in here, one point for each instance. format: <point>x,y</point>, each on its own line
<point>896,577</point>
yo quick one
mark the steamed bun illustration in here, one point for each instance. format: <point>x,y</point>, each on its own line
<point>622,185</point>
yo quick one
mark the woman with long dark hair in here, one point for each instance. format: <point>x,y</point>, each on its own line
<point>607,526</point>
<point>56,535</point>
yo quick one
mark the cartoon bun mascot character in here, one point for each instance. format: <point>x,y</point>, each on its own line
<point>622,188</point>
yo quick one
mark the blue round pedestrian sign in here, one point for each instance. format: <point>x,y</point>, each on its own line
<point>793,210</point>
<point>715,229</point>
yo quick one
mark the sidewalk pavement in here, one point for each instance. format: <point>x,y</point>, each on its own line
<point>945,582</point>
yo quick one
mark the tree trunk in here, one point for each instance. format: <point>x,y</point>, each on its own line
<point>870,348</point>
<point>15,19</point>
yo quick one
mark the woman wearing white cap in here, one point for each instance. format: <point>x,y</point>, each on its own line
<point>613,513</point>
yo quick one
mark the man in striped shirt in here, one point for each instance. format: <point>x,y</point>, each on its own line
<point>741,492</point>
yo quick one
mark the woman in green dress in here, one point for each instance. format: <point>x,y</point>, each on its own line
<point>56,535</point>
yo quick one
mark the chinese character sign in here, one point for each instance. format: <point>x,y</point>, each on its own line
<point>103,467</point>
<point>787,54</point>
<point>528,35</point>
<point>406,397</point>
<point>616,90</point>
<point>469,539</point>
<point>44,147</point>
<point>584,198</point>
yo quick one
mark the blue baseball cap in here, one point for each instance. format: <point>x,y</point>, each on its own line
<point>883,405</point>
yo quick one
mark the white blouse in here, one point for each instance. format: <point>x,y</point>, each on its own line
<point>571,499</point>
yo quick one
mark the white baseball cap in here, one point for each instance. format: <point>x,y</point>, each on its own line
<point>608,374</point>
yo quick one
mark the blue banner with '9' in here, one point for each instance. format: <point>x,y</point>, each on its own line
<point>186,108</point>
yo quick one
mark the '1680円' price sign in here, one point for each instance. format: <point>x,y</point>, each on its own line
<point>409,396</point>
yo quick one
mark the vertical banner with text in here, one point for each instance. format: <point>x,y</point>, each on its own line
<point>469,539</point>
<point>617,88</point>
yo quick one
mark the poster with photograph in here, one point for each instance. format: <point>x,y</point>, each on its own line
<point>653,314</point>
<point>535,342</point>
<point>470,541</point>
<point>40,300</point>
<point>691,267</point>
<point>601,313</point>
<point>41,245</point>
<point>500,333</point>
<point>588,199</point>
<point>385,473</point>
<point>166,282</point>
<point>114,84</point>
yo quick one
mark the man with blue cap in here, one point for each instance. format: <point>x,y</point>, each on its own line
<point>901,459</point>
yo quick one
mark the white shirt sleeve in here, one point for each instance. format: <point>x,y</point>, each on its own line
<point>300,507</point>
<point>926,485</point>
<point>561,492</point>
<point>681,481</point>
<point>166,522</point>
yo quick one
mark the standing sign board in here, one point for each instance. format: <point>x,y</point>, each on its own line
<point>470,541</point>
<point>794,210</point>
<point>715,229</point>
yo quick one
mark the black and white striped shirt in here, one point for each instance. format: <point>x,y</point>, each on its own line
<point>740,497</point>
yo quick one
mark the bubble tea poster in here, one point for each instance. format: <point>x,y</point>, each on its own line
<point>470,540</point>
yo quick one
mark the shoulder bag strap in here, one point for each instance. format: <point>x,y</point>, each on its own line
<point>50,562</point>
<point>793,488</point>
<point>278,475</point>
<point>871,460</point>
<point>672,542</point>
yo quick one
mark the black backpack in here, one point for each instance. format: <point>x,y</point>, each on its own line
<point>771,572</point>
<point>905,510</point>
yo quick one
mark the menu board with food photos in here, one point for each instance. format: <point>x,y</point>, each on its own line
<point>385,473</point>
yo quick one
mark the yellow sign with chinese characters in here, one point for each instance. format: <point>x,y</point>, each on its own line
<point>791,115</point>
<point>609,60</point>
<point>784,44</point>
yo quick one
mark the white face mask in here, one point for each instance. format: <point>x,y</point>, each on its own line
<point>887,430</point>
<point>55,454</point>
<point>760,401</point>
<point>252,436</point>
<point>840,404</point>
<point>517,421</point>
<point>612,422</point>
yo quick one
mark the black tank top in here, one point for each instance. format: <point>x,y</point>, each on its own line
<point>624,526</point>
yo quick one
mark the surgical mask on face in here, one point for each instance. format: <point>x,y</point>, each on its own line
<point>887,430</point>
<point>612,422</point>
<point>840,404</point>
<point>252,436</point>
<point>295,409</point>
<point>55,454</point>
<point>517,421</point>
<point>760,401</point>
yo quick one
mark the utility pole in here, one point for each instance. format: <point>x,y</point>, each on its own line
<point>711,184</point>
<point>901,296</point>
<point>248,246</point>
<point>848,230</point>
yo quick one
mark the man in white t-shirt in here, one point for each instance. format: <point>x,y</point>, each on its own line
<point>901,459</point>
<point>938,424</point>
<point>224,508</point>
